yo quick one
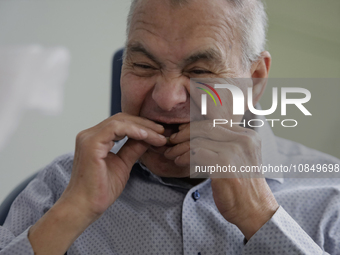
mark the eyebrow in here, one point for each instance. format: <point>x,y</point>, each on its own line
<point>209,54</point>
<point>139,48</point>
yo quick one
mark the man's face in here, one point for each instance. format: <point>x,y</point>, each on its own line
<point>166,47</point>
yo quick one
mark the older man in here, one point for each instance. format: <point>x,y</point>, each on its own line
<point>98,202</point>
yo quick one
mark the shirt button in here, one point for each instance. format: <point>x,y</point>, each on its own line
<point>196,195</point>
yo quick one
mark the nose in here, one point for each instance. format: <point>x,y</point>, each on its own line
<point>170,93</point>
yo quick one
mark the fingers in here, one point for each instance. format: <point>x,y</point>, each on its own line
<point>133,119</point>
<point>194,144</point>
<point>202,143</point>
<point>132,151</point>
<point>206,129</point>
<point>121,125</point>
<point>177,150</point>
<point>193,152</point>
<point>183,160</point>
<point>201,156</point>
<point>117,130</point>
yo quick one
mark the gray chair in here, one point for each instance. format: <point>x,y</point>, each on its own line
<point>115,108</point>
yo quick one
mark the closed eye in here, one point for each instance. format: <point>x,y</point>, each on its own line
<point>143,66</point>
<point>199,71</point>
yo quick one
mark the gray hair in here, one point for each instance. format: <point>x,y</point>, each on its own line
<point>252,23</point>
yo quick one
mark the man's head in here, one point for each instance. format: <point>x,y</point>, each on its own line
<point>171,41</point>
<point>249,18</point>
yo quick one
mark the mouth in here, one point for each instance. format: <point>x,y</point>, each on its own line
<point>169,129</point>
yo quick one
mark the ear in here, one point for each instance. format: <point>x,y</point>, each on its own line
<point>259,73</point>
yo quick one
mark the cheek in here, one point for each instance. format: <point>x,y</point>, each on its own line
<point>243,84</point>
<point>134,90</point>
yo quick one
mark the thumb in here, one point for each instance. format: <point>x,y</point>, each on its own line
<point>132,151</point>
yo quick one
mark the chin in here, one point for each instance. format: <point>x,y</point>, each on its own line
<point>163,167</point>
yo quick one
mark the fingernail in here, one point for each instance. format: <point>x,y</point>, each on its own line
<point>182,126</point>
<point>143,132</point>
<point>168,150</point>
<point>173,136</point>
<point>162,136</point>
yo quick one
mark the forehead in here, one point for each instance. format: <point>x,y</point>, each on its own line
<point>180,29</point>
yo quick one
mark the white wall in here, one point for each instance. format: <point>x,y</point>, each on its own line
<point>303,40</point>
<point>92,30</point>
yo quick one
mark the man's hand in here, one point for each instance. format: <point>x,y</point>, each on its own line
<point>244,200</point>
<point>98,178</point>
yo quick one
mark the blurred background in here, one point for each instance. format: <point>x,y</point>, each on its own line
<point>303,39</point>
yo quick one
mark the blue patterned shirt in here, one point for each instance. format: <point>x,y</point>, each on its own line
<point>157,215</point>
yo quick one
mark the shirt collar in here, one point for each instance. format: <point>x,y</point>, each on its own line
<point>174,182</point>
